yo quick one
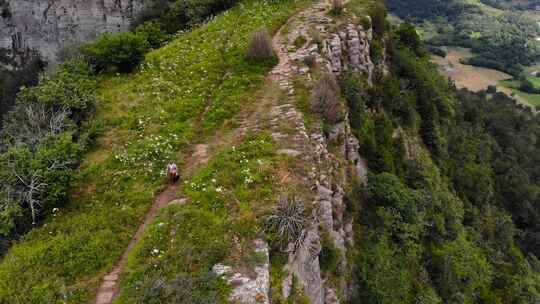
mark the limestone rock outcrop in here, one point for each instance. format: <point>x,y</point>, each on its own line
<point>349,49</point>
<point>248,289</point>
<point>336,50</point>
<point>50,25</point>
<point>304,264</point>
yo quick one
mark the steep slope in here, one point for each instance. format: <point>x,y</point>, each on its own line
<point>276,204</point>
<point>146,119</point>
<point>289,163</point>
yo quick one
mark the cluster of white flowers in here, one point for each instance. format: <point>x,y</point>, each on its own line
<point>156,253</point>
<point>147,152</point>
<point>142,123</point>
<point>246,171</point>
<point>248,177</point>
<point>205,187</point>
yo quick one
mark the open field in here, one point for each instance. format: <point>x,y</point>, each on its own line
<point>478,78</point>
<point>510,86</point>
<point>467,76</point>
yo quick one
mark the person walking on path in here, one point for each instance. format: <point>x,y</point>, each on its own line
<point>172,172</point>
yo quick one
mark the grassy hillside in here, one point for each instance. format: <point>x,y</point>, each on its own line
<point>227,200</point>
<point>182,92</point>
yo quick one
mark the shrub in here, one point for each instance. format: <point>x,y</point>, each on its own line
<point>315,36</point>
<point>72,86</point>
<point>376,51</point>
<point>288,222</point>
<point>365,22</point>
<point>122,51</point>
<point>41,137</point>
<point>325,99</point>
<point>527,86</point>
<point>492,89</point>
<point>408,37</point>
<point>300,41</point>
<point>330,255</point>
<point>152,33</point>
<point>337,7</point>
<point>260,47</point>
<point>310,60</point>
<point>378,19</point>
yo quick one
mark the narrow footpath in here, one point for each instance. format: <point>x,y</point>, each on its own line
<point>251,121</point>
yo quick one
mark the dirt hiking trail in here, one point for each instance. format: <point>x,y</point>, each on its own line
<point>280,75</point>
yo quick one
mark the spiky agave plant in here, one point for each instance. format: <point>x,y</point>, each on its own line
<point>288,222</point>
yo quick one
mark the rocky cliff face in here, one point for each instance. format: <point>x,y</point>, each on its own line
<point>331,158</point>
<point>344,47</point>
<point>50,25</point>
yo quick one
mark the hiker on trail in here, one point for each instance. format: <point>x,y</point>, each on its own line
<point>172,173</point>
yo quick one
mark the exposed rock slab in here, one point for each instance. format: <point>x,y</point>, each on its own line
<point>247,290</point>
<point>50,25</point>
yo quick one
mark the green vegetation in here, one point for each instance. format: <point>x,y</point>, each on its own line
<point>531,98</point>
<point>157,23</point>
<point>300,41</point>
<point>145,119</point>
<point>447,214</point>
<point>227,199</point>
<point>122,51</point>
<point>502,40</point>
<point>330,256</point>
<point>178,15</point>
<point>42,141</point>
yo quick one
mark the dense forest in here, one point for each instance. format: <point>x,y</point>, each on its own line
<point>457,224</point>
<point>502,40</point>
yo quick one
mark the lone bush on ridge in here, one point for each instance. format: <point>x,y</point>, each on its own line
<point>325,99</point>
<point>260,47</point>
<point>122,51</point>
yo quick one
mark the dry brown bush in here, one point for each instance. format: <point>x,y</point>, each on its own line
<point>326,99</point>
<point>310,61</point>
<point>260,46</point>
